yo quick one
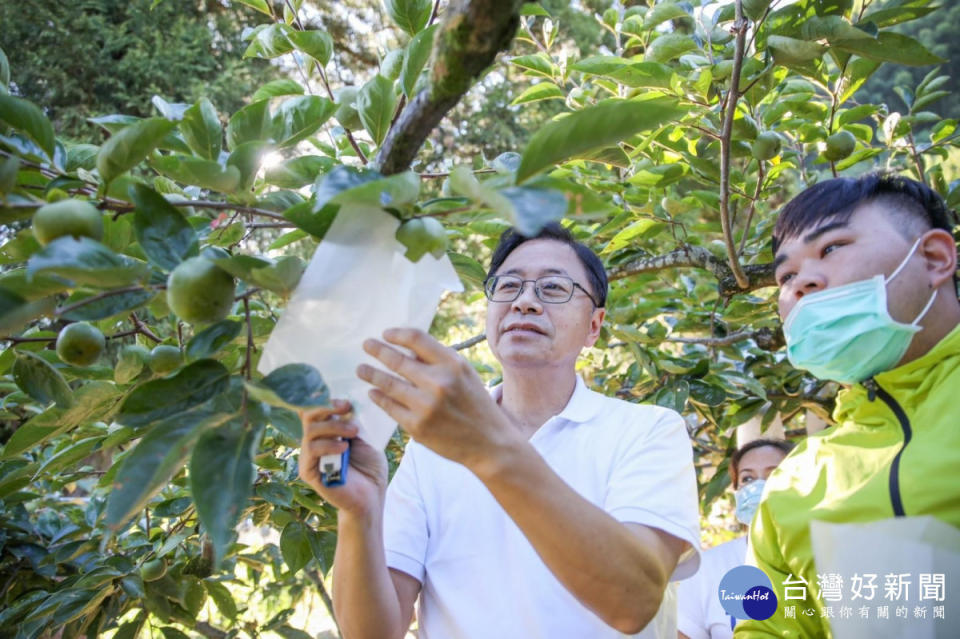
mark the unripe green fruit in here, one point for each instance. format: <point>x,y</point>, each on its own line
<point>422,235</point>
<point>165,358</point>
<point>199,291</point>
<point>766,146</point>
<point>67,217</point>
<point>745,128</point>
<point>80,344</point>
<point>153,570</point>
<point>346,113</point>
<point>840,145</point>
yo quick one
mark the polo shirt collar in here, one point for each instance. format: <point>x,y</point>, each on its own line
<point>582,406</point>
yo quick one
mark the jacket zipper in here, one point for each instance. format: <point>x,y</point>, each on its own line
<point>875,390</point>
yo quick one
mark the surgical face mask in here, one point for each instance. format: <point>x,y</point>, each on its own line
<point>846,333</point>
<point>748,498</point>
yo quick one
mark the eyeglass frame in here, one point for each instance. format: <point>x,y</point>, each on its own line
<point>536,289</point>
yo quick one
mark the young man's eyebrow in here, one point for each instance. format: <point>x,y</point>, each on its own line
<point>811,237</point>
<point>546,271</point>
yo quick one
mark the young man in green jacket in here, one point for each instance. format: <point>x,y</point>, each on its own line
<point>866,269</point>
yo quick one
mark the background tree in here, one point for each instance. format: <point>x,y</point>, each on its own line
<point>137,433</point>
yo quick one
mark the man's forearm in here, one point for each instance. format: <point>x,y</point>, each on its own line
<point>364,598</point>
<point>618,572</point>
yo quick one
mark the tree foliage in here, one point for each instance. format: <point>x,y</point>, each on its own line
<point>122,482</point>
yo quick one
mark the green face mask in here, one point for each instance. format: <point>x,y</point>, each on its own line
<point>846,333</point>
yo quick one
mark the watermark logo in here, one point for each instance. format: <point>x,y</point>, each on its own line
<point>746,593</point>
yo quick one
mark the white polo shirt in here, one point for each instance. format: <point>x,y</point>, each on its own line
<point>482,579</point>
<point>699,613</point>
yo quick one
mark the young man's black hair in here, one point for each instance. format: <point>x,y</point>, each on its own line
<point>596,274</point>
<point>916,206</point>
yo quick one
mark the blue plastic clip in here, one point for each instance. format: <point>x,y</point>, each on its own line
<point>333,468</point>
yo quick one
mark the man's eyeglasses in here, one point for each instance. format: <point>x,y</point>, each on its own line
<point>551,289</point>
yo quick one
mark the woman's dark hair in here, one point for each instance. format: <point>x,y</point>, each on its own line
<point>734,467</point>
<point>596,274</point>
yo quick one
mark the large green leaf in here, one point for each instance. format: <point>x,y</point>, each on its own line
<point>316,223</point>
<point>130,145</point>
<point>299,118</point>
<point>669,46</point>
<point>159,399</point>
<point>538,92</point>
<point>347,185</point>
<point>270,41</point>
<point>249,124</point>
<point>530,209</point>
<point>594,128</point>
<point>221,598</point>
<point>221,479</point>
<point>298,172</point>
<point>295,545</point>
<point>86,261</point>
<point>40,380</point>
<point>274,88</point>
<point>409,15</point>
<point>292,386</point>
<point>163,233</point>
<point>418,52</point>
<point>247,158</point>
<point>106,306</point>
<point>376,103</point>
<point>201,130</point>
<point>28,119</point>
<point>316,44</point>
<point>212,339</point>
<point>92,401</point>
<point>890,47</point>
<point>193,171</point>
<point>157,458</point>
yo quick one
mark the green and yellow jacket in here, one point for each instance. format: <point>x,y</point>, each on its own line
<point>894,452</point>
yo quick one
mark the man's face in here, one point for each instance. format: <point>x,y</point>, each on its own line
<point>837,253</point>
<point>530,333</point>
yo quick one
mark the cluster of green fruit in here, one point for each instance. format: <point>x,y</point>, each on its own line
<point>198,291</point>
<point>82,344</point>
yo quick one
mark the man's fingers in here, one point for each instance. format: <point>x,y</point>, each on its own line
<point>320,447</point>
<point>320,413</point>
<point>428,349</point>
<point>408,367</point>
<point>328,428</point>
<point>396,388</point>
<point>391,407</point>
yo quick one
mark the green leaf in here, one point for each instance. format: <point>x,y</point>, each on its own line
<point>130,363</point>
<point>156,459</point>
<point>375,104</point>
<point>16,312</point>
<point>211,339</point>
<point>299,118</point>
<point>536,64</point>
<point>668,47</point>
<point>249,124</point>
<point>26,117</point>
<point>287,422</point>
<point>298,172</point>
<point>409,15</point>
<point>662,12</point>
<point>295,545</point>
<point>791,51</point>
<point>259,5</point>
<point>291,386</point>
<point>107,306</point>
<point>831,29</point>
<point>418,52</point>
<point>593,128</point>
<point>347,185</point>
<point>86,261</point>
<point>92,401</point>
<point>193,171</point>
<point>163,233</point>
<point>4,73</point>
<point>221,480</point>
<point>129,146</point>
<point>890,47</point>
<point>159,399</point>
<point>630,234</point>
<point>288,238</point>
<point>888,17</point>
<point>316,223</point>
<point>247,158</point>
<point>533,9</point>
<point>316,44</point>
<point>270,42</point>
<point>538,92</point>
<point>40,380</point>
<point>201,130</point>
<point>530,209</point>
<point>221,598</point>
<point>276,88</point>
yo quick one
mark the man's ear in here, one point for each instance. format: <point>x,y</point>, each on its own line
<point>939,251</point>
<point>596,321</point>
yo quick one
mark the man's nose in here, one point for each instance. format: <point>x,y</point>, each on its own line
<point>527,301</point>
<point>808,280</point>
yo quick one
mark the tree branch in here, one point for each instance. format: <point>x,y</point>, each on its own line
<point>324,596</point>
<point>473,341</point>
<point>757,275</point>
<point>766,338</point>
<point>469,37</point>
<point>730,108</point>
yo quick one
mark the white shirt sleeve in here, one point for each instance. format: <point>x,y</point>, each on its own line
<point>654,483</point>
<point>405,532</point>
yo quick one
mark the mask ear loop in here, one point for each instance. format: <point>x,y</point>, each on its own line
<point>925,309</point>
<point>905,260</point>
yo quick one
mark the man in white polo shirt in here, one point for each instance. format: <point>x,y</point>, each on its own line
<point>541,510</point>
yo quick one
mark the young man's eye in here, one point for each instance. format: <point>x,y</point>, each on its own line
<point>829,248</point>
<point>783,279</point>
